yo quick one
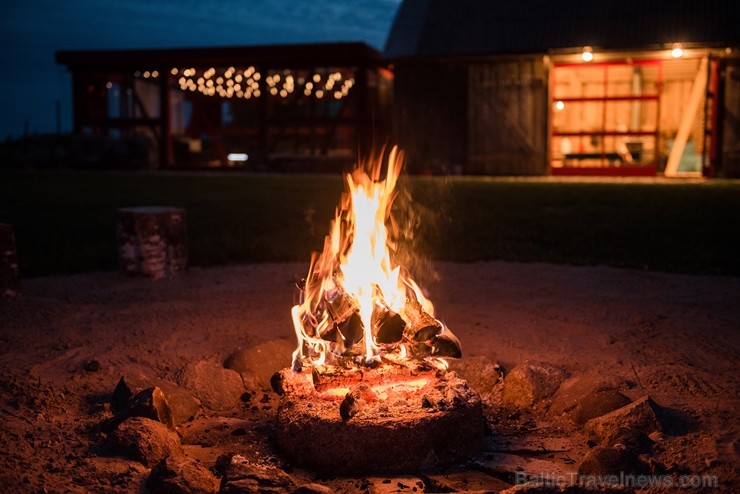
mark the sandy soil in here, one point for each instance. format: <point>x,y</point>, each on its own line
<point>674,337</point>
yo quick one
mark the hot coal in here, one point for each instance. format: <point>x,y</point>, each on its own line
<point>384,423</point>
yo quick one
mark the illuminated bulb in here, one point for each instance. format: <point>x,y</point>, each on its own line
<point>273,91</point>
<point>338,94</point>
<point>248,95</point>
<point>182,80</point>
<point>238,78</point>
<point>229,83</point>
<point>307,92</point>
<point>146,74</point>
<point>237,87</point>
<point>155,73</point>
<point>239,94</point>
<point>559,105</point>
<point>283,93</point>
<point>677,51</point>
<point>201,80</point>
<point>257,93</point>
<point>108,85</point>
<point>257,76</point>
<point>173,71</point>
<point>276,78</point>
<point>319,94</point>
<point>209,83</point>
<point>219,80</point>
<point>316,78</point>
<point>309,85</point>
<point>587,54</point>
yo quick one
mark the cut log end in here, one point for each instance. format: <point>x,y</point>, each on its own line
<point>152,241</point>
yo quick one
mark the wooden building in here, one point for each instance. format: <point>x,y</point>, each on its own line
<point>281,107</point>
<point>577,87</point>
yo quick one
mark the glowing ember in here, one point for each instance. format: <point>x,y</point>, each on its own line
<point>357,304</point>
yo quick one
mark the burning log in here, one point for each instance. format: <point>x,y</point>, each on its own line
<point>389,326</point>
<point>388,406</point>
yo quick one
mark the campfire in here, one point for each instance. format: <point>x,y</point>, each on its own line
<point>368,388</point>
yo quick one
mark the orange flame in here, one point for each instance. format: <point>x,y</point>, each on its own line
<point>355,276</point>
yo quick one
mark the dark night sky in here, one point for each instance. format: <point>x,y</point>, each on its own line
<point>32,30</point>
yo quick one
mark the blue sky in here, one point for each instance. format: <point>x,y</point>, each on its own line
<point>32,30</point>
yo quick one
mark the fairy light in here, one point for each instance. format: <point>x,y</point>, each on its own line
<point>244,83</point>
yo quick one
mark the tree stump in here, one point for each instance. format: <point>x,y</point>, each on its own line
<point>152,241</point>
<point>10,280</point>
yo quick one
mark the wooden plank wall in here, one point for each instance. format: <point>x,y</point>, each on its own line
<point>430,115</point>
<point>507,117</point>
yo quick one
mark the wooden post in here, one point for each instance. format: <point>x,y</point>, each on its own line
<point>10,281</point>
<point>688,115</point>
<point>165,119</point>
<point>152,241</point>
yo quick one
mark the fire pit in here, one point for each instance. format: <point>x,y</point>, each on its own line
<point>368,390</point>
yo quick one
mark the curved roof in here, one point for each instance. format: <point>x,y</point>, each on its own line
<point>438,28</point>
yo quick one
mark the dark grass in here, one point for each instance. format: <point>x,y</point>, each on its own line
<point>65,221</point>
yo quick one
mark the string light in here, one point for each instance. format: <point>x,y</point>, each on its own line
<point>244,83</point>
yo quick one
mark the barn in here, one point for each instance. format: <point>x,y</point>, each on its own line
<point>541,87</point>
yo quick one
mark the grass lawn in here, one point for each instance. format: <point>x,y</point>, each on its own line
<point>65,221</point>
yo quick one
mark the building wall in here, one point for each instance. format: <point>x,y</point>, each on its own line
<point>480,117</point>
<point>507,117</point>
<point>430,115</point>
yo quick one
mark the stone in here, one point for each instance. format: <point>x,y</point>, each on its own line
<point>575,388</point>
<point>150,403</point>
<point>264,360</point>
<point>629,438</point>
<point>481,373</point>
<point>597,404</point>
<point>183,406</point>
<point>639,416</point>
<point>121,396</point>
<point>179,474</point>
<point>603,461</point>
<point>530,382</point>
<point>217,388</point>
<point>144,440</point>
<point>244,477</point>
<point>313,488</point>
<point>91,366</point>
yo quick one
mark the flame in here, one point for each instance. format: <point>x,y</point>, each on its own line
<point>355,277</point>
